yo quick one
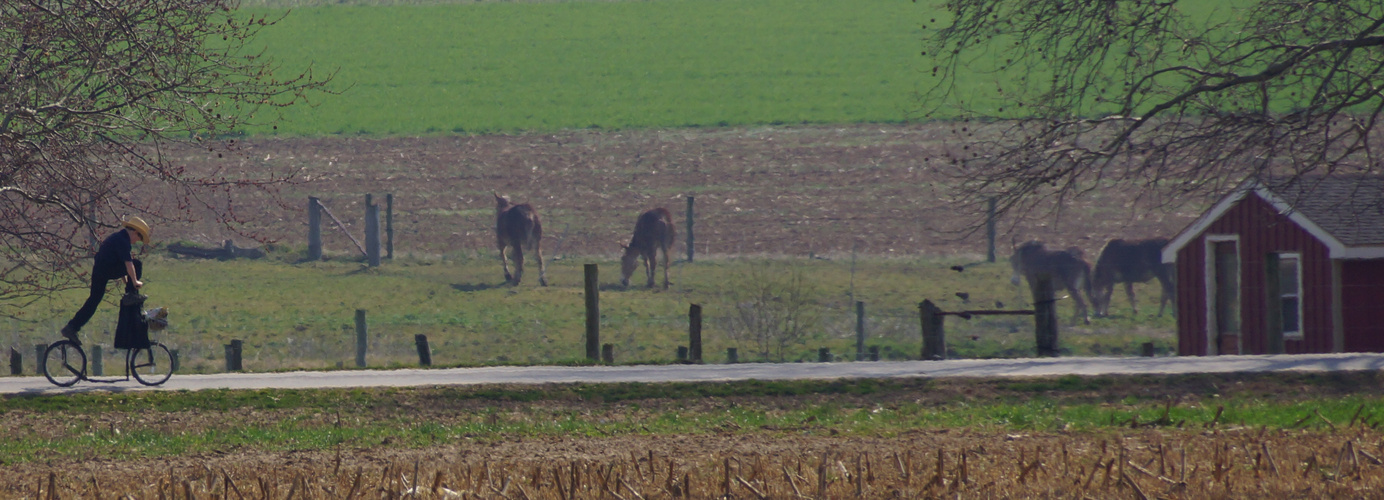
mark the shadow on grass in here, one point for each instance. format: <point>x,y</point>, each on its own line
<point>477,287</point>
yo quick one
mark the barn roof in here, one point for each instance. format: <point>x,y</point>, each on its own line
<point>1344,212</point>
<point>1351,208</point>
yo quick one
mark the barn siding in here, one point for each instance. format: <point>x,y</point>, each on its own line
<point>1191,298</point>
<point>1261,230</point>
<point>1362,304</point>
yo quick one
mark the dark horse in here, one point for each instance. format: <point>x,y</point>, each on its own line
<point>517,227</point>
<point>1066,267</point>
<point>1130,262</point>
<point>653,231</point>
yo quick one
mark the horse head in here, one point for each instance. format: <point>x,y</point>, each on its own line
<point>1021,253</point>
<point>629,261</point>
<point>501,202</point>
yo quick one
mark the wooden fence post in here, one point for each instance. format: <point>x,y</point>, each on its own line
<point>934,340</point>
<point>824,355</point>
<point>694,333</point>
<point>859,330</point>
<point>732,355</point>
<point>389,225</point>
<point>990,230</point>
<point>874,353</point>
<point>233,355</point>
<point>608,353</point>
<point>16,362</point>
<point>39,350</point>
<point>682,354</point>
<point>314,229</point>
<point>98,365</point>
<point>593,313</point>
<point>372,232</point>
<point>1044,315</point>
<point>173,353</point>
<point>691,243</point>
<point>424,352</point>
<point>361,332</point>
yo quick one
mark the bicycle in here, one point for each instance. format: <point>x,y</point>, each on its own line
<point>65,363</point>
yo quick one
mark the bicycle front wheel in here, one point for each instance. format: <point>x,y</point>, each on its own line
<point>64,363</point>
<point>151,366</point>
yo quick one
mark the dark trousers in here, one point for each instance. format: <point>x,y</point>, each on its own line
<point>100,275</point>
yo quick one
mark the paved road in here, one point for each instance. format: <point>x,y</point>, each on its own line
<point>715,373</point>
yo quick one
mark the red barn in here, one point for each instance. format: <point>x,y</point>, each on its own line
<point>1284,266</point>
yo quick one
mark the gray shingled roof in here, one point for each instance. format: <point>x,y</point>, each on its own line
<point>1349,207</point>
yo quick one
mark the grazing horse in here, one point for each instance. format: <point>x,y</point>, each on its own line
<point>1130,262</point>
<point>653,231</point>
<point>1066,267</point>
<point>517,227</point>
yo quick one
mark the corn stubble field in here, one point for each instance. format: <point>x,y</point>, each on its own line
<point>1214,463</point>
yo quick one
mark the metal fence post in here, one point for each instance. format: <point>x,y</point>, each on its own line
<point>691,242</point>
<point>389,225</point>
<point>934,340</point>
<point>314,229</point>
<point>98,365</point>
<point>593,313</point>
<point>694,333</point>
<point>424,353</point>
<point>361,336</point>
<point>859,330</point>
<point>1044,315</point>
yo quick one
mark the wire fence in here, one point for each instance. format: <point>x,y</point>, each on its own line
<point>636,339</point>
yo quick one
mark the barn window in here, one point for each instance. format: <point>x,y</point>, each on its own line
<point>1290,293</point>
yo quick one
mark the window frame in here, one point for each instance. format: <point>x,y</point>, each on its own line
<point>1296,258</point>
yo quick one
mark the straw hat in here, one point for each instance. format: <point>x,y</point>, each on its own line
<point>139,226</point>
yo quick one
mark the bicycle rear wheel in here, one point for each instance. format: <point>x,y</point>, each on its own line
<point>64,363</point>
<point>151,366</point>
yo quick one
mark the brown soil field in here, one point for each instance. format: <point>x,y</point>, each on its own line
<point>1163,460</point>
<point>1229,463</point>
<point>874,189</point>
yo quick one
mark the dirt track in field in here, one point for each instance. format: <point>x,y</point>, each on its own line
<point>791,191</point>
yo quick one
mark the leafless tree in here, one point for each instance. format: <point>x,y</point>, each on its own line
<point>1169,101</point>
<point>773,307</point>
<point>93,96</point>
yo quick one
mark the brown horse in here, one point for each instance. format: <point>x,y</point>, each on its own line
<point>1130,262</point>
<point>653,231</point>
<point>517,227</point>
<point>1066,267</point>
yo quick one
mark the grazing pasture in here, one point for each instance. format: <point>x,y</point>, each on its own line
<point>857,210</point>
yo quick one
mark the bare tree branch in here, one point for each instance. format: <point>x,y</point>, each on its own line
<point>1174,100</point>
<point>93,93</point>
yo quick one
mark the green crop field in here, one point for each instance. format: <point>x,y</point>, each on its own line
<point>417,67</point>
<point>504,67</point>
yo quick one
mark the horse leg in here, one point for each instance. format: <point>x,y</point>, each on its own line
<point>504,263</point>
<point>1129,291</point>
<point>1081,311</point>
<point>518,263</point>
<point>542,266</point>
<point>665,266</point>
<point>650,265</point>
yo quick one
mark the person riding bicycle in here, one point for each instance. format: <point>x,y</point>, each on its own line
<point>113,261</point>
